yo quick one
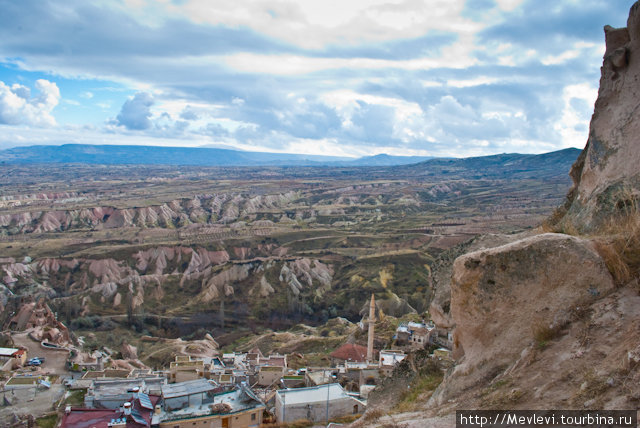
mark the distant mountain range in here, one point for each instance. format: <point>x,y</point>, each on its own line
<point>516,165</point>
<point>193,156</point>
<point>507,165</point>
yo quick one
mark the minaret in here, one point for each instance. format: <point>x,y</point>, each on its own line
<point>372,321</point>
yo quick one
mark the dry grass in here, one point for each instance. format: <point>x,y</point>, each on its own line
<point>543,333</point>
<point>552,223</point>
<point>613,255</point>
<point>592,387</point>
<point>619,240</point>
<point>372,415</point>
<point>503,399</point>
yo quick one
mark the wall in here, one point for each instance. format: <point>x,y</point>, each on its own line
<point>316,412</point>
<point>234,420</point>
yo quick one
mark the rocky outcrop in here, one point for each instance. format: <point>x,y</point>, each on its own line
<point>221,284</point>
<point>201,209</point>
<point>546,278</point>
<point>442,269</point>
<point>38,318</point>
<point>302,273</point>
<point>540,322</point>
<point>606,175</point>
<point>170,277</point>
<point>129,352</point>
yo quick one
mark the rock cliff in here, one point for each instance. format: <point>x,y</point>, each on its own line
<point>200,209</point>
<point>606,175</point>
<point>549,321</point>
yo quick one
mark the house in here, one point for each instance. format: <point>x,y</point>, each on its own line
<point>194,404</point>
<point>349,352</point>
<point>135,413</point>
<point>235,359</point>
<point>269,375</point>
<point>179,395</point>
<point>293,381</point>
<point>414,334</point>
<point>111,393</point>
<point>419,337</point>
<point>403,335</point>
<point>106,374</point>
<point>11,358</point>
<point>316,404</point>
<point>273,360</point>
<point>253,356</point>
<point>389,358</point>
<point>184,369</point>
<point>320,376</point>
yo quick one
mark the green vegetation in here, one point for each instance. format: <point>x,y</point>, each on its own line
<point>49,421</point>
<point>75,398</point>
<point>418,391</point>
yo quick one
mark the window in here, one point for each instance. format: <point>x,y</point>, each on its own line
<point>225,422</point>
<point>355,409</point>
<point>253,416</point>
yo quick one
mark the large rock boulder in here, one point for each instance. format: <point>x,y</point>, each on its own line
<point>503,298</point>
<point>440,306</point>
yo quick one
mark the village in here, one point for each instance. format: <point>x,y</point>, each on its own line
<point>227,390</point>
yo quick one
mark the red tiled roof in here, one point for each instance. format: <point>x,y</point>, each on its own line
<point>87,418</point>
<point>350,352</point>
<point>100,418</point>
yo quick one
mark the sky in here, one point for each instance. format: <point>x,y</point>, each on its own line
<point>345,78</point>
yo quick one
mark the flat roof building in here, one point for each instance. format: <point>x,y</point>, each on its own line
<point>239,408</point>
<point>316,404</point>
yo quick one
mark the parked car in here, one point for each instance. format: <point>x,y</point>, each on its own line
<point>34,362</point>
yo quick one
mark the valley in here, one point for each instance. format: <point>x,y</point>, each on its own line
<point>123,252</point>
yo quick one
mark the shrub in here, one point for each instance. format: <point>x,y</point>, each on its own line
<point>543,333</point>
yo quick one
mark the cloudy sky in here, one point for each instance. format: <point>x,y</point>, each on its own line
<point>338,77</point>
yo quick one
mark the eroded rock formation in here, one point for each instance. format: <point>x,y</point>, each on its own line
<point>606,175</point>
<point>541,322</point>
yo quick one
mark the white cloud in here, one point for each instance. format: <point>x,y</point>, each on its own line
<point>136,111</point>
<point>578,49</point>
<point>477,81</point>
<point>290,65</point>
<point>316,24</point>
<point>18,106</point>
<point>508,5</point>
<point>573,125</point>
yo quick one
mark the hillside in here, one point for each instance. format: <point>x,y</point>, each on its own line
<point>549,319</point>
<point>504,164</point>
<point>184,251</point>
<point>153,155</point>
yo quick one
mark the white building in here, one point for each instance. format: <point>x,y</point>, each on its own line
<point>316,403</point>
<point>391,357</point>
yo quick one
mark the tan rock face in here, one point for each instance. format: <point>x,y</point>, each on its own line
<point>501,298</point>
<point>542,278</point>
<point>439,308</point>
<point>607,174</point>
